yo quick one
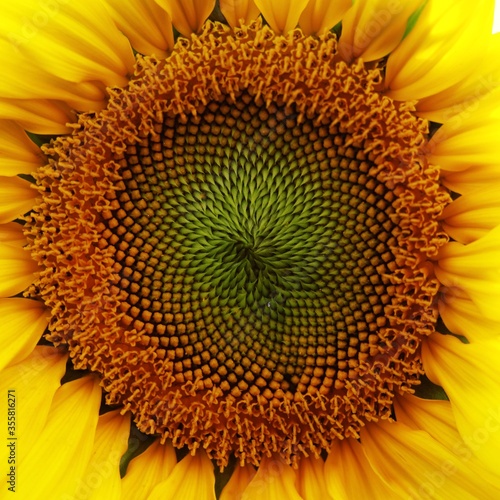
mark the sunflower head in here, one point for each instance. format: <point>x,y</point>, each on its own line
<point>244,244</point>
<point>256,230</point>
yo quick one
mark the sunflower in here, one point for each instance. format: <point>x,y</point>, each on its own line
<point>250,249</point>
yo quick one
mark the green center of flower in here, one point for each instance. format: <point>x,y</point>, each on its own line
<point>242,251</point>
<point>272,240</point>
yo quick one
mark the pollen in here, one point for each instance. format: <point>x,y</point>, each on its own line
<point>240,244</point>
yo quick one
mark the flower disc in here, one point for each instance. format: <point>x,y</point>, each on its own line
<point>239,244</point>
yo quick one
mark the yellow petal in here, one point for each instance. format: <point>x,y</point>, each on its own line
<point>371,29</point>
<point>470,375</point>
<point>481,255</point>
<point>469,138</point>
<point>188,16</point>
<point>436,418</point>
<point>191,479</point>
<point>236,11</point>
<point>311,483</point>
<point>18,153</point>
<point>349,475</point>
<point>76,41</point>
<point>12,234</point>
<point>31,384</point>
<point>67,439</point>
<point>463,317</point>
<point>238,482</point>
<point>475,269</point>
<point>147,470</point>
<point>282,15</point>
<point>472,215</point>
<point>441,49</point>
<point>464,95</point>
<point>24,79</point>
<point>23,323</point>
<point>274,479</point>
<point>320,16</point>
<point>413,463</point>
<point>102,479</point>
<point>433,416</point>
<point>472,178</point>
<point>39,116</point>
<point>16,198</point>
<point>16,270</point>
<point>132,17</point>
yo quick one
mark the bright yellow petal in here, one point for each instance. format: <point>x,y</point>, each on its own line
<point>76,41</point>
<point>236,11</point>
<point>472,215</point>
<point>475,269</point>
<point>102,479</point>
<point>349,475</point>
<point>191,479</point>
<point>464,95</point>
<point>282,15</point>
<point>371,29</point>
<point>18,153</point>
<point>442,48</point>
<point>311,483</point>
<point>23,323</point>
<point>472,178</point>
<point>31,384</point>
<point>470,138</point>
<point>188,16</point>
<point>470,375</point>
<point>320,16</point>
<point>463,317</point>
<point>16,198</point>
<point>12,234</point>
<point>16,270</point>
<point>414,463</point>
<point>54,464</point>
<point>38,115</point>
<point>147,470</point>
<point>145,24</point>
<point>436,418</point>
<point>24,79</point>
<point>238,482</point>
<point>433,416</point>
<point>274,479</point>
